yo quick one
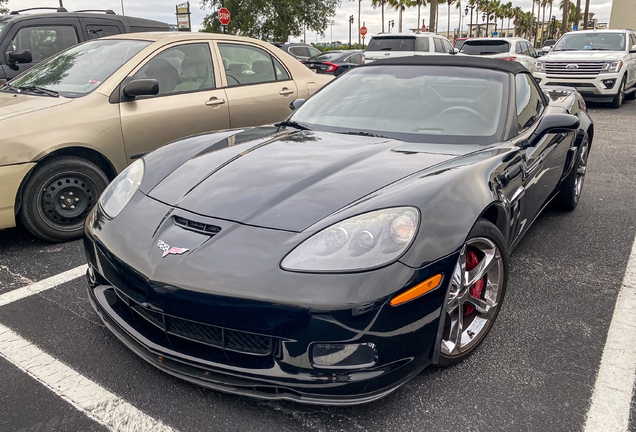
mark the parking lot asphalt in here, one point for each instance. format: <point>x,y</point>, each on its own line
<point>535,371</point>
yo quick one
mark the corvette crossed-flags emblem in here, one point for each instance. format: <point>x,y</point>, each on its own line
<point>167,250</point>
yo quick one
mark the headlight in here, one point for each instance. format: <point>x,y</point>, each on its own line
<point>361,242</point>
<point>539,67</point>
<point>612,67</point>
<point>122,189</point>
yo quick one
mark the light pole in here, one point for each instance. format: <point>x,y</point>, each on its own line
<point>61,4</point>
<point>350,23</point>
<point>470,27</point>
<point>391,25</point>
<point>122,7</point>
<point>359,7</point>
<point>331,38</point>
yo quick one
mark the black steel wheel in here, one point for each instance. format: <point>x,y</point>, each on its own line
<point>476,293</point>
<point>58,196</point>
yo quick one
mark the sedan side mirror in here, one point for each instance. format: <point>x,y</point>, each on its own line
<point>633,49</point>
<point>556,123</point>
<point>141,87</point>
<point>296,103</point>
<point>20,57</point>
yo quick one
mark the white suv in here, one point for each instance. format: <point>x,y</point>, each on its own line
<point>508,48</point>
<point>600,64</point>
<point>383,46</point>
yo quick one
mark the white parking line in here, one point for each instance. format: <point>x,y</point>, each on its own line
<point>90,398</point>
<point>42,285</point>
<point>612,397</point>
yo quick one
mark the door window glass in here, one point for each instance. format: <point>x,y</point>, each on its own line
<point>525,48</point>
<point>313,51</point>
<point>281,73</point>
<point>438,45</point>
<point>356,59</point>
<point>97,31</point>
<point>248,65</point>
<point>531,51</point>
<point>179,69</point>
<point>529,102</point>
<point>43,42</point>
<point>422,44</point>
<point>447,46</point>
<point>632,41</point>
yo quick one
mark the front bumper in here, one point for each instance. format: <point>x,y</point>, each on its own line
<point>11,177</point>
<point>599,88</point>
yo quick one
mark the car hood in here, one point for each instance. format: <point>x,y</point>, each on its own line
<point>13,104</point>
<point>291,180</point>
<point>582,55</point>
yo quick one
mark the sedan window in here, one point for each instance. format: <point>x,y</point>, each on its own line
<point>247,64</point>
<point>485,47</point>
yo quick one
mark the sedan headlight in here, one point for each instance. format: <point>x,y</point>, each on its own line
<point>122,189</point>
<point>361,242</point>
<point>539,66</point>
<point>612,67</point>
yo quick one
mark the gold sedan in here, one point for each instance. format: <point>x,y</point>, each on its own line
<point>70,124</point>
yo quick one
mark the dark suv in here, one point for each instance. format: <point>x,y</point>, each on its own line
<point>26,39</point>
<point>299,50</point>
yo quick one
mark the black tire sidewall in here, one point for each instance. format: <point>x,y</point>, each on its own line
<point>31,215</point>
<point>617,102</point>
<point>567,200</point>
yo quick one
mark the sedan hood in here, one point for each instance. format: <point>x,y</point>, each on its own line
<point>13,104</point>
<point>584,55</point>
<point>292,180</point>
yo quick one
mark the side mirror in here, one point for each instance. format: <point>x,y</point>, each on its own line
<point>20,57</point>
<point>556,123</point>
<point>454,51</point>
<point>540,53</point>
<point>633,49</point>
<point>141,87</point>
<point>296,103</point>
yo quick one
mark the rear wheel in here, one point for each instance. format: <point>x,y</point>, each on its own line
<point>476,292</point>
<point>572,186</point>
<point>58,196</point>
<point>618,100</point>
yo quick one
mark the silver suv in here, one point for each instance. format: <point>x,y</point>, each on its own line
<point>600,64</point>
<point>383,46</point>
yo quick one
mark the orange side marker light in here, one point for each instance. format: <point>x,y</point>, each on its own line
<point>418,290</point>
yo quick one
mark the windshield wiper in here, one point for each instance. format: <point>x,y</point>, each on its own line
<point>39,90</point>
<point>366,134</point>
<point>293,124</point>
<point>386,49</point>
<point>10,88</point>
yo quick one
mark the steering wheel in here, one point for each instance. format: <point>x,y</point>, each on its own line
<point>466,110</point>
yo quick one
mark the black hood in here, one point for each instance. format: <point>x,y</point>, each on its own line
<point>293,179</point>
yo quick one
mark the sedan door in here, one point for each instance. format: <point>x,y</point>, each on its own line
<point>259,88</point>
<point>188,102</point>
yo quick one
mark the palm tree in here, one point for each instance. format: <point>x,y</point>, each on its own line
<point>586,16</point>
<point>565,5</point>
<point>550,17</point>
<point>419,4</point>
<point>517,14</point>
<point>432,22</point>
<point>509,13</point>
<point>399,5</point>
<point>380,3</point>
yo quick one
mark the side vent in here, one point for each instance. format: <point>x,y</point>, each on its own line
<point>196,226</point>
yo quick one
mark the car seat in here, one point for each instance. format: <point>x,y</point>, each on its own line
<point>165,74</point>
<point>263,71</point>
<point>195,74</point>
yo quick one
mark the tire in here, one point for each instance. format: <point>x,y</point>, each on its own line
<point>618,100</point>
<point>476,305</point>
<point>58,195</point>
<point>572,186</point>
<point>630,96</point>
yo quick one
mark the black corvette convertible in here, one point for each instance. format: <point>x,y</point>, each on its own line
<point>331,257</point>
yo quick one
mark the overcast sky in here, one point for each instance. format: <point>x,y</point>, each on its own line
<point>165,11</point>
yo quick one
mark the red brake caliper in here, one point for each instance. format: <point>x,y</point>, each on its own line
<point>478,287</point>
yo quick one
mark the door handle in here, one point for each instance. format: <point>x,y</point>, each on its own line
<point>215,101</point>
<point>285,91</point>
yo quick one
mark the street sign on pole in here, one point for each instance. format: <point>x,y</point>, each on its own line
<point>224,16</point>
<point>183,17</point>
<point>363,31</point>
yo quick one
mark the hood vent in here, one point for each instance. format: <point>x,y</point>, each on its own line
<point>195,226</point>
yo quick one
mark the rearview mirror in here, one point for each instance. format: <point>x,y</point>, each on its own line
<point>556,123</point>
<point>141,87</point>
<point>20,57</point>
<point>296,103</point>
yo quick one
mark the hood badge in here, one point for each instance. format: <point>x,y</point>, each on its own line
<point>572,66</point>
<point>167,250</point>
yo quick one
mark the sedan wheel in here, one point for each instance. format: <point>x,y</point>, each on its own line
<point>475,295</point>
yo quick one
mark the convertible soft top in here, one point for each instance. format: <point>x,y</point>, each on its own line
<point>454,60</point>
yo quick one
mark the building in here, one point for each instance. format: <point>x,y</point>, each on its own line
<point>623,14</point>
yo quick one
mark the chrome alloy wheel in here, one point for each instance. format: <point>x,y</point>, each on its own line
<point>581,169</point>
<point>474,297</point>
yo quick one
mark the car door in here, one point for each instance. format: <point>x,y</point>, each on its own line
<point>41,38</point>
<point>259,88</point>
<point>189,100</point>
<point>544,156</point>
<point>631,60</point>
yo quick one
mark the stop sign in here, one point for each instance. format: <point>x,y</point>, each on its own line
<point>224,16</point>
<point>363,30</point>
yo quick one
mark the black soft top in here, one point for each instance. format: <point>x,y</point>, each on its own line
<point>457,60</point>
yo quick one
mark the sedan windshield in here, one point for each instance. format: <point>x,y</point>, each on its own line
<point>432,104</point>
<point>591,41</point>
<point>81,69</point>
<point>485,47</point>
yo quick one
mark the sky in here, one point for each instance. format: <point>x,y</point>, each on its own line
<point>162,10</point>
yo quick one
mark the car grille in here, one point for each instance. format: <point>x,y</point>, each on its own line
<point>561,68</point>
<point>219,337</point>
<point>196,226</point>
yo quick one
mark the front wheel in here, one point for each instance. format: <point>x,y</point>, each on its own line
<point>58,196</point>
<point>618,100</point>
<point>476,293</point>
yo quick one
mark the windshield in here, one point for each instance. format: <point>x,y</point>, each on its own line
<point>81,69</point>
<point>392,44</point>
<point>431,104</point>
<point>328,56</point>
<point>485,47</point>
<point>591,41</point>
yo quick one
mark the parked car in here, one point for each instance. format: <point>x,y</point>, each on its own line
<point>459,42</point>
<point>600,64</point>
<point>547,45</point>
<point>384,46</point>
<point>300,51</point>
<point>330,259</point>
<point>27,39</point>
<point>335,62</point>
<point>71,123</point>
<point>510,49</point>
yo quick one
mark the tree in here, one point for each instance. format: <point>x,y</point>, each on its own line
<point>400,5</point>
<point>380,3</point>
<point>3,7</point>
<point>432,21</point>
<point>271,20</point>
<point>586,16</point>
<point>565,5</point>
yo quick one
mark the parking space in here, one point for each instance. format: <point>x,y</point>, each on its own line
<point>536,370</point>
